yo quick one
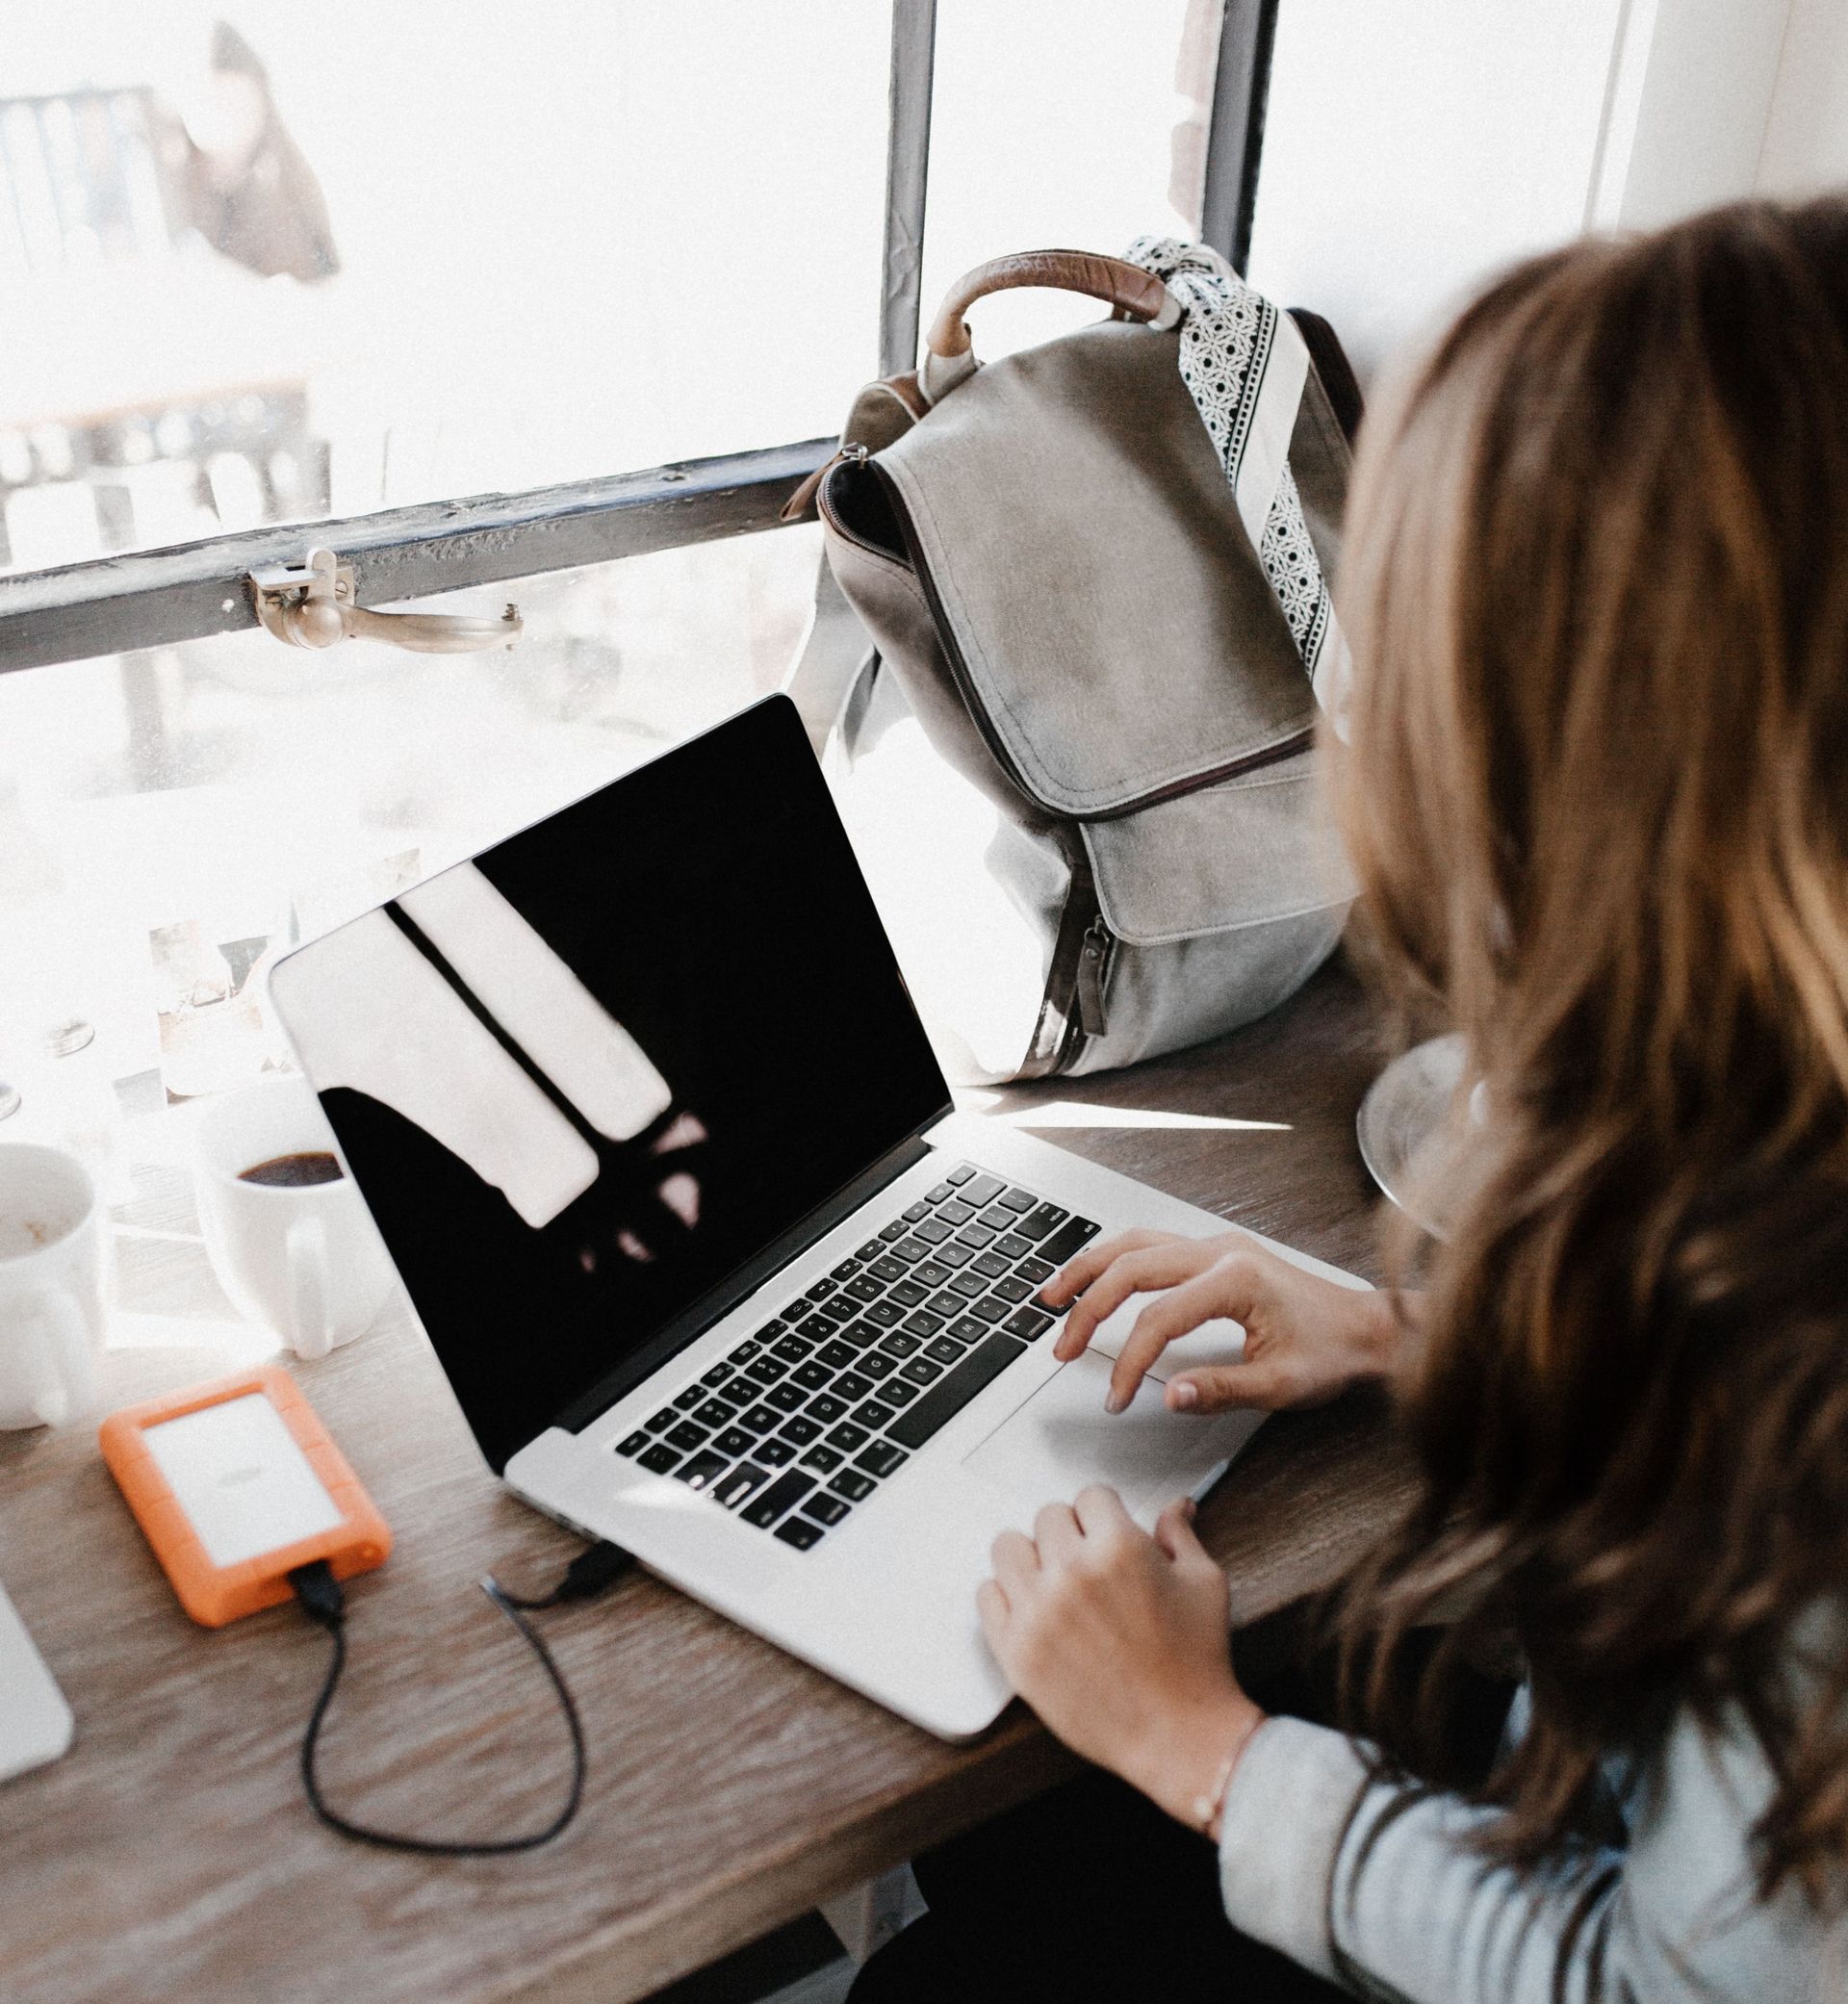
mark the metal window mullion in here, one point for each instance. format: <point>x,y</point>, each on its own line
<point>160,598</point>
<point>907,158</point>
<point>1235,134</point>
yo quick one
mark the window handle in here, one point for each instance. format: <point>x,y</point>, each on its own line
<point>313,607</point>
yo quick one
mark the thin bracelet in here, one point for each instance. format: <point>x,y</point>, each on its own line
<point>1209,1809</point>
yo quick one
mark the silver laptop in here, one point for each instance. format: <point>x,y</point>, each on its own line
<point>644,1113</point>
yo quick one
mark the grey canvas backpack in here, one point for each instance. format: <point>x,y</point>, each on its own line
<point>1077,752</point>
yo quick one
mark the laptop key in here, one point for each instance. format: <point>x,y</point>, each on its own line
<point>744,1480</point>
<point>1013,1289</point>
<point>1010,1246</point>
<point>887,1269</point>
<point>880,1458</point>
<point>997,1220</point>
<point>922,1323</point>
<point>853,1384</point>
<point>853,1484</point>
<point>941,1403</point>
<point>884,1313</point>
<point>911,1250</point>
<point>703,1470</point>
<point>1028,1323</point>
<point>895,1230</point>
<point>848,1437</point>
<point>733,1442</point>
<point>1070,1236</point>
<point>846,1270</point>
<point>799,1532</point>
<point>991,1309</point>
<point>969,1285</point>
<point>802,1430</point>
<point>740,1391</point>
<point>782,1496</point>
<point>788,1398</point>
<point>951,1254</point>
<point>1041,1219</point>
<point>930,1274</point>
<point>827,1509</point>
<point>767,1369</point>
<point>813,1375</point>
<point>871,1250</point>
<point>1017,1199</point>
<point>876,1364</point>
<point>991,1263</point>
<point>633,1445</point>
<point>838,1355</point>
<point>911,1213</point>
<point>977,1235</point>
<point>661,1422</point>
<point>866,1288</point>
<point>792,1350</point>
<point>944,1303</point>
<point>907,1293</point>
<point>822,1458</point>
<point>860,1335</point>
<point>686,1401</point>
<point>717,1376</point>
<point>982,1190</point>
<point>817,1328</point>
<point>762,1418</point>
<point>896,1392</point>
<point>743,1354</point>
<point>922,1371</point>
<point>956,1212</point>
<point>660,1460</point>
<point>933,1231</point>
<point>944,1350</point>
<point>822,1289</point>
<point>771,1330</point>
<point>899,1344</point>
<point>1035,1271</point>
<point>960,1174</point>
<point>715,1413</point>
<point>938,1192</point>
<point>685,1437</point>
<point>873,1413</point>
<point>773,1453</point>
<point>826,1408</point>
<point>967,1328</point>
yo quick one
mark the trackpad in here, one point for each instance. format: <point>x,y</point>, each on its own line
<point>1062,1439</point>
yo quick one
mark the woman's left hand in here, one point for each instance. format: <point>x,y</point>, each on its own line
<point>1120,1642</point>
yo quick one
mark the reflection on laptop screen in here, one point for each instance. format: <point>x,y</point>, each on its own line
<point>584,1078</point>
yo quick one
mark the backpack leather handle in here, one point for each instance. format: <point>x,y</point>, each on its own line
<point>1132,292</point>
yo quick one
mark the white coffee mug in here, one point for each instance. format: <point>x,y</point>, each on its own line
<point>304,1259</point>
<point>53,1259</point>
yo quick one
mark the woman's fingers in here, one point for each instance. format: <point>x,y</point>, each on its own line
<point>1267,1386</point>
<point>1099,1513</point>
<point>992,1611</point>
<point>1083,1268</point>
<point>1134,1273</point>
<point>1175,1534</point>
<point>1056,1532</point>
<point>1015,1560</point>
<point>1226,1291</point>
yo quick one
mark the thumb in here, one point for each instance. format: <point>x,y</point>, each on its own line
<point>1267,1386</point>
<point>1175,1534</point>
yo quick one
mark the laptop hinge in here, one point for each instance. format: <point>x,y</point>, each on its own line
<point>739,1286</point>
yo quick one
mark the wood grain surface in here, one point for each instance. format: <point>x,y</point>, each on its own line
<point>171,1855</point>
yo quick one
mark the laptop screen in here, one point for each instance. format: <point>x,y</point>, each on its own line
<point>586,1077</point>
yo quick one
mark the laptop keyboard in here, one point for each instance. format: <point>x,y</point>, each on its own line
<point>807,1418</point>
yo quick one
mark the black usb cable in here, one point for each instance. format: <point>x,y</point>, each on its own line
<point>324,1603</point>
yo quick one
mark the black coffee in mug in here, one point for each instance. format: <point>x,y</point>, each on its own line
<point>294,1172</point>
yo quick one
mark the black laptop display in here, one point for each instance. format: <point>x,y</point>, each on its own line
<point>594,1076</point>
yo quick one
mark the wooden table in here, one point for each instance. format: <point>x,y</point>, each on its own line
<point>171,1855</point>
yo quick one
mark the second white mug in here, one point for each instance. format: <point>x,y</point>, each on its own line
<point>304,1258</point>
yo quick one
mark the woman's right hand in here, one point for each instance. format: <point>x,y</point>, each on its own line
<point>1306,1339</point>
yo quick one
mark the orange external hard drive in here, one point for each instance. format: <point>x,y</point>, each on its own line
<point>236,1484</point>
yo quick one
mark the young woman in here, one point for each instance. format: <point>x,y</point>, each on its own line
<point>1596,794</point>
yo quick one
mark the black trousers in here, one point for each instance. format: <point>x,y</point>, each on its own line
<point>1091,1892</point>
<point>1088,1892</point>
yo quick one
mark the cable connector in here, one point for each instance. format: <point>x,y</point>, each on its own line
<point>594,1569</point>
<point>320,1593</point>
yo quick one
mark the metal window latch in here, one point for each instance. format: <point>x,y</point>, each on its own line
<point>313,607</point>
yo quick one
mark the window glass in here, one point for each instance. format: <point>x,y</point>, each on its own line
<point>169,817</point>
<point>269,263</point>
<point>1075,124</point>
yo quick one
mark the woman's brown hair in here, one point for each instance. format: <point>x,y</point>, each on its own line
<point>1596,793</point>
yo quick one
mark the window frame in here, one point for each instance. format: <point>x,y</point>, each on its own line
<point>191,591</point>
